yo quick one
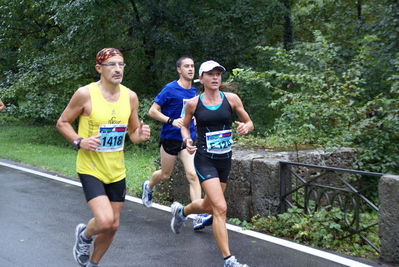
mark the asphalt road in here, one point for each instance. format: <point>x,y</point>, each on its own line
<point>39,211</point>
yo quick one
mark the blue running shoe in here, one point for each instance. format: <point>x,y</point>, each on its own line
<point>202,220</point>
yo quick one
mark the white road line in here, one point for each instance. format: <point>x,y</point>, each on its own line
<point>54,177</point>
<point>265,237</point>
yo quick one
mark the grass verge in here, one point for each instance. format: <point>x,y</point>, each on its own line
<point>46,148</point>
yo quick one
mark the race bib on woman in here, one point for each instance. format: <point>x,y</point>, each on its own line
<point>219,142</point>
<point>112,137</point>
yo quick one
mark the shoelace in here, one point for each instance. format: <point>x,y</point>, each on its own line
<point>235,263</point>
<point>180,220</point>
<point>200,219</point>
<point>84,249</point>
<point>149,193</point>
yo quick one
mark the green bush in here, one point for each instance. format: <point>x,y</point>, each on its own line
<point>323,229</point>
<point>324,100</point>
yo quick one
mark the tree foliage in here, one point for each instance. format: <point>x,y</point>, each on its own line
<point>49,47</point>
<point>308,71</point>
<point>324,103</point>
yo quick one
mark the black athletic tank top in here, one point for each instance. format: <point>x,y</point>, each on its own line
<point>213,121</point>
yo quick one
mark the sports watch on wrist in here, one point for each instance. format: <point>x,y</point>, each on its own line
<point>76,143</point>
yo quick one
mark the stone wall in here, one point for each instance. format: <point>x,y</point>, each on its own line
<point>254,188</point>
<point>254,182</point>
<point>388,218</point>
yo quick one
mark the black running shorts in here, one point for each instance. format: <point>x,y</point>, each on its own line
<point>208,168</point>
<point>93,187</point>
<point>172,147</point>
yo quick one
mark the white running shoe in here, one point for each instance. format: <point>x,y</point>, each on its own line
<point>81,250</point>
<point>146,196</point>
<point>177,221</point>
<point>232,262</point>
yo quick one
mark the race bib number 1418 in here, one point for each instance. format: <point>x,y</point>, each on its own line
<point>112,137</point>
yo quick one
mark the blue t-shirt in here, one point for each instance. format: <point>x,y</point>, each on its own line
<point>172,100</point>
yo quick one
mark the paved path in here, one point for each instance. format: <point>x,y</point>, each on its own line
<point>39,211</point>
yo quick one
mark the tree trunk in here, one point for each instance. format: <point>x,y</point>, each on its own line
<point>288,35</point>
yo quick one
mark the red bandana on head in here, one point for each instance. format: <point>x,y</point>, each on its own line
<point>107,53</point>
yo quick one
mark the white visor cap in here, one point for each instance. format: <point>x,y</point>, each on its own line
<point>208,66</point>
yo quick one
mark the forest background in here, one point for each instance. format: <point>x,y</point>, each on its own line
<point>310,72</point>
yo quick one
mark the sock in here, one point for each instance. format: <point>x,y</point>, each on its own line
<point>87,240</point>
<point>91,264</point>
<point>181,212</point>
<point>148,188</point>
<point>228,257</point>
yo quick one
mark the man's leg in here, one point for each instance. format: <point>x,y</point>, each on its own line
<point>104,224</point>
<point>188,162</point>
<point>167,165</point>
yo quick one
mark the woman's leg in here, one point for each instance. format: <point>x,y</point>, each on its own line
<point>214,203</point>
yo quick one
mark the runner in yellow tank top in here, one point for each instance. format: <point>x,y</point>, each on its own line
<point>111,119</point>
<point>107,111</point>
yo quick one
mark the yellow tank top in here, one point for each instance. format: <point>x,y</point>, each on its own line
<point>110,121</point>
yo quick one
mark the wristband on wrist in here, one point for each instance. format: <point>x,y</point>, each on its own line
<point>76,143</point>
<point>170,121</point>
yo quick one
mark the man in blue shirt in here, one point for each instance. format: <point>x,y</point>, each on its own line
<point>168,108</point>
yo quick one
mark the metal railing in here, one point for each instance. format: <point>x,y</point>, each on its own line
<point>313,187</point>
